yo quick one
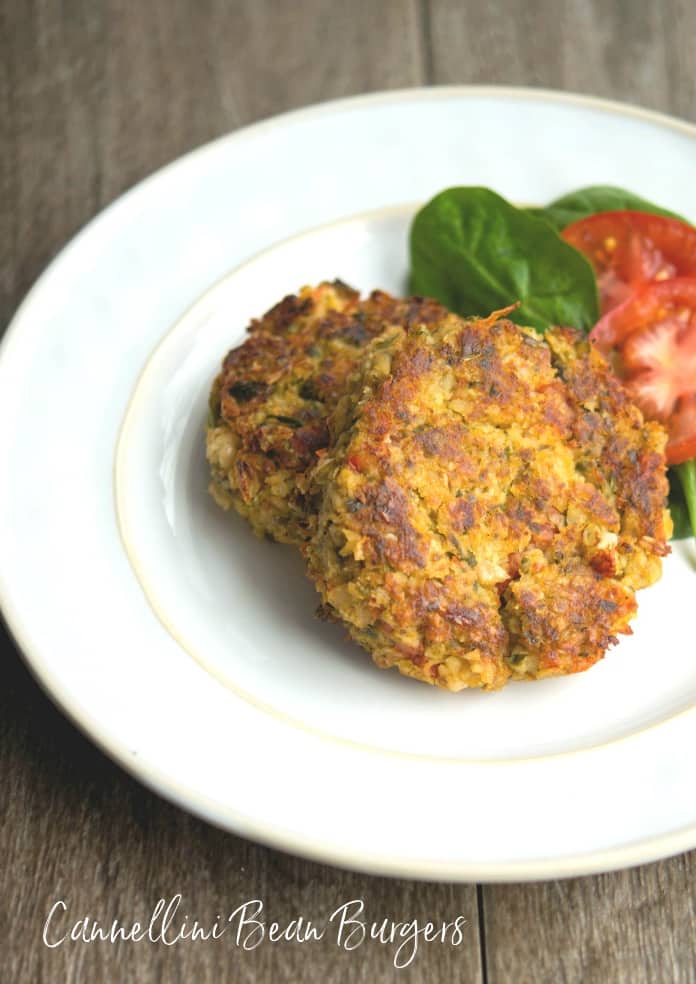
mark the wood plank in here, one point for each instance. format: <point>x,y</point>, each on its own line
<point>678,29</point>
<point>629,927</point>
<point>632,51</point>
<point>95,96</point>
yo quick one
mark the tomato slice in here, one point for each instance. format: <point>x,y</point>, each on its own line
<point>628,249</point>
<point>653,339</point>
<point>650,304</point>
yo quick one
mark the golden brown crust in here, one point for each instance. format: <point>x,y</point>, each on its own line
<point>269,403</point>
<point>488,504</point>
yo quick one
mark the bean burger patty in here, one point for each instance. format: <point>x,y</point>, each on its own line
<point>271,399</point>
<point>487,504</point>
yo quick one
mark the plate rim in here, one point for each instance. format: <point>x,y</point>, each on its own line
<point>643,850</point>
<point>326,108</point>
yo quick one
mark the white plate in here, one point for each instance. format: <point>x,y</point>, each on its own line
<point>185,647</point>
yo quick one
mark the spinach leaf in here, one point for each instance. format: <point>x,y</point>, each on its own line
<point>683,507</point>
<point>597,198</point>
<point>474,252</point>
<point>677,507</point>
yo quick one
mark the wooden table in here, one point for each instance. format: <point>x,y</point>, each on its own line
<point>94,95</point>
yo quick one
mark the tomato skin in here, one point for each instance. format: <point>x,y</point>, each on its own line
<point>628,249</point>
<point>652,337</point>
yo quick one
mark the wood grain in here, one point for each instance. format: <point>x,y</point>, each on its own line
<point>631,927</point>
<point>97,95</point>
<point>94,95</point>
<point>629,50</point>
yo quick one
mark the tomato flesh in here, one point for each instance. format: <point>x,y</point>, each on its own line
<point>653,336</point>
<point>649,305</point>
<point>682,432</point>
<point>628,249</point>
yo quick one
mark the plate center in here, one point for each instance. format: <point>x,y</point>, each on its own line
<point>243,608</point>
